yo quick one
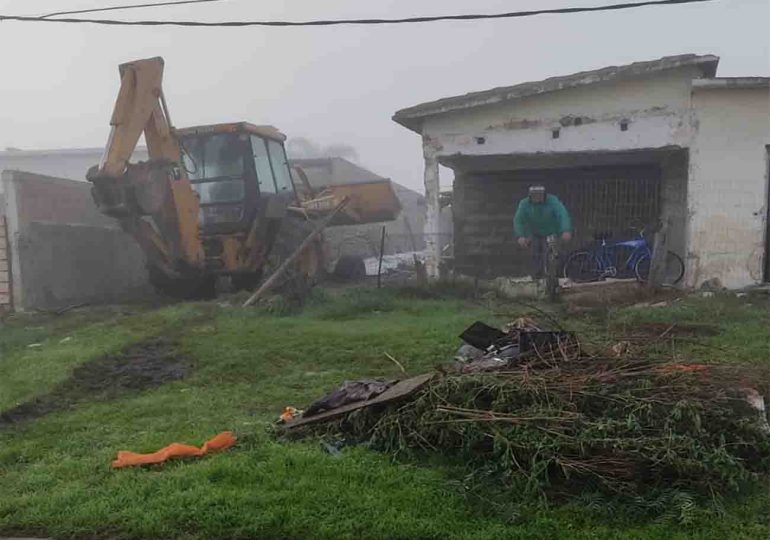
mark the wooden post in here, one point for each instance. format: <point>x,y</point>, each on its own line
<point>382,252</point>
<point>432,211</point>
<point>658,259</point>
<point>270,282</point>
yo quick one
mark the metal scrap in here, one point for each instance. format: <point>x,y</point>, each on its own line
<point>490,349</point>
<point>398,391</point>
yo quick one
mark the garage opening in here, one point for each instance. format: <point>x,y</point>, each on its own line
<point>618,199</point>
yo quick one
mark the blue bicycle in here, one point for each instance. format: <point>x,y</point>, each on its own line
<point>622,259</point>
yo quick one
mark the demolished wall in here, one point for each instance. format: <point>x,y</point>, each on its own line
<point>62,250</point>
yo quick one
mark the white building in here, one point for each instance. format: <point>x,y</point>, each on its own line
<point>70,163</point>
<point>621,146</point>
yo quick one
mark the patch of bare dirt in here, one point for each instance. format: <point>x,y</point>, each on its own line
<point>616,294</point>
<point>139,367</point>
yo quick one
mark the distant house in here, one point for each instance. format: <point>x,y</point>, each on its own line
<point>70,163</point>
<point>402,236</point>
<point>622,146</point>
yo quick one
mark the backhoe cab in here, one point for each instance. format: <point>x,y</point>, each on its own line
<point>241,175</point>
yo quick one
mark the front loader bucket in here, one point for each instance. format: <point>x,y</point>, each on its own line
<point>370,202</point>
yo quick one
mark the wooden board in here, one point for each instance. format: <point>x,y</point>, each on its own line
<point>398,391</point>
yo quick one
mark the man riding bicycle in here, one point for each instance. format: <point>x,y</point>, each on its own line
<point>539,216</point>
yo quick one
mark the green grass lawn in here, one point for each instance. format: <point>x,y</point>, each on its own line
<point>55,475</point>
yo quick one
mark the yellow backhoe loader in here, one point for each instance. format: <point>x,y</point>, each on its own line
<point>211,200</point>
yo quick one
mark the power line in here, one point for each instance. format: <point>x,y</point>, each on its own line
<point>338,22</point>
<point>133,6</point>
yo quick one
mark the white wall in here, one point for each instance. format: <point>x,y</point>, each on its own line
<point>656,108</point>
<point>728,182</point>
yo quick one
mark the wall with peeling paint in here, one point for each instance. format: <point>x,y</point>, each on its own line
<point>654,108</point>
<point>728,183</point>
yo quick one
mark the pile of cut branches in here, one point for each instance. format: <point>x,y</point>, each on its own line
<point>562,426</point>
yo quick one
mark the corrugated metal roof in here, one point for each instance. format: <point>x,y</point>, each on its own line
<point>411,117</point>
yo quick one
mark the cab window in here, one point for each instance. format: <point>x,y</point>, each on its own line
<point>262,165</point>
<point>222,191</point>
<point>280,166</point>
<point>214,156</point>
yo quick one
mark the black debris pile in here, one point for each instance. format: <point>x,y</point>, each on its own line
<point>486,348</point>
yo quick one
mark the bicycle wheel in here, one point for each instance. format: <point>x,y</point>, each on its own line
<point>582,267</point>
<point>552,274</point>
<point>621,257</point>
<point>673,274</point>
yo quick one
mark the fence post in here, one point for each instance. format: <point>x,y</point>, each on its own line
<point>382,252</point>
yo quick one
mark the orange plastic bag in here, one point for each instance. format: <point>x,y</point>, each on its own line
<point>223,441</point>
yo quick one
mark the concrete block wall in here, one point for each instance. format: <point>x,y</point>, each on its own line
<point>62,250</point>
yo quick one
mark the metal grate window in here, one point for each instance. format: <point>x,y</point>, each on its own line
<point>599,199</point>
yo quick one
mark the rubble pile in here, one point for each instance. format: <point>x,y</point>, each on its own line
<point>533,410</point>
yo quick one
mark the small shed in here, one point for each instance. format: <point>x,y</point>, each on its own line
<point>623,147</point>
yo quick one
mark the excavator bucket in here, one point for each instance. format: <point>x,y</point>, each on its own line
<point>370,202</point>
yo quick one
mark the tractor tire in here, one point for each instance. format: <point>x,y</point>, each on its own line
<point>246,282</point>
<point>350,268</point>
<point>186,288</point>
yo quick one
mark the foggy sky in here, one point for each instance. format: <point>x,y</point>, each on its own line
<point>336,85</point>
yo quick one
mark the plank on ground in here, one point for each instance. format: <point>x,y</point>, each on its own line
<point>398,391</point>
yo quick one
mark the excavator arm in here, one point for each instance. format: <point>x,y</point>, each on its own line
<point>153,200</point>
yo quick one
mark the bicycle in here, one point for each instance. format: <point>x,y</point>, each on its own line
<point>622,259</point>
<point>549,265</point>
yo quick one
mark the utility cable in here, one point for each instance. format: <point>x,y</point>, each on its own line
<point>339,22</point>
<point>132,6</point>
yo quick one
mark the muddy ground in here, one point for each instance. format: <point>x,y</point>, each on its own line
<point>617,294</point>
<point>139,367</point>
<point>669,330</point>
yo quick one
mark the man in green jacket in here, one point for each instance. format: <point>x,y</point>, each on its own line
<point>538,216</point>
